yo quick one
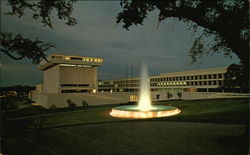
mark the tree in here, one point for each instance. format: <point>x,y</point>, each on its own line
<point>227,22</point>
<point>179,94</point>
<point>71,104</point>
<point>18,47</point>
<point>235,77</point>
<point>169,95</point>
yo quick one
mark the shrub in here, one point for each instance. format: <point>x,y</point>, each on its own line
<point>179,94</point>
<point>169,95</point>
<point>52,107</point>
<point>71,104</point>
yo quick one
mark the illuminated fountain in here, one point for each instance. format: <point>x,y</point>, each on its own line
<point>144,109</point>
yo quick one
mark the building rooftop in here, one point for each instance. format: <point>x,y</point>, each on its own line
<point>69,60</point>
<point>182,73</point>
<point>197,71</point>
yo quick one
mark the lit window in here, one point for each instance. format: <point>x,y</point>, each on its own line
<point>87,59</point>
<point>67,58</point>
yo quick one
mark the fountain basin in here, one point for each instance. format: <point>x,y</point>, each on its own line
<point>133,111</point>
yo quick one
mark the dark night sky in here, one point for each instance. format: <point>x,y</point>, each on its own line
<point>164,49</point>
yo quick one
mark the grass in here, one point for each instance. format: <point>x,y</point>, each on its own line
<point>216,126</point>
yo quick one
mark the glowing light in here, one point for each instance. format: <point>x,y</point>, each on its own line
<point>67,58</point>
<point>144,109</point>
<point>144,97</point>
<point>143,114</point>
<point>67,65</point>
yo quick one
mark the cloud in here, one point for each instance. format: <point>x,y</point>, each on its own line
<point>164,49</point>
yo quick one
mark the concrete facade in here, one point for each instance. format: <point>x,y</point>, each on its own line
<point>64,76</point>
<point>202,80</point>
<point>68,74</point>
<point>74,78</point>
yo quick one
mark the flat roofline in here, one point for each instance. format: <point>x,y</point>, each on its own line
<point>196,70</point>
<point>73,56</point>
<point>55,59</point>
<point>189,72</point>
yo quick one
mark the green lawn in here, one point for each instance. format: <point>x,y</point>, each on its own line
<point>215,126</point>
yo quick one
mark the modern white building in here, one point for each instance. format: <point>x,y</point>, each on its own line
<point>64,74</point>
<point>75,78</point>
<point>69,74</point>
<point>202,80</point>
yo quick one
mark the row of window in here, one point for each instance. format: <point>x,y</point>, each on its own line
<point>160,84</point>
<point>76,85</point>
<point>194,77</point>
<point>74,91</point>
<point>179,78</point>
<point>78,58</point>
<point>189,83</point>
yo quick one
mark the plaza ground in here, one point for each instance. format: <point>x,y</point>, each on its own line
<point>217,126</point>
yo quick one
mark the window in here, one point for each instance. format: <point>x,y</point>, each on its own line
<point>75,58</point>
<point>200,76</point>
<point>196,77</point>
<point>196,83</point>
<point>214,82</point>
<point>219,76</point>
<point>204,83</point>
<point>184,78</point>
<point>192,83</point>
<point>214,76</point>
<point>209,76</point>
<point>187,77</point>
<point>56,57</point>
<point>200,83</point>
<point>204,76</point>
<point>192,77</point>
<point>209,82</point>
<point>220,82</point>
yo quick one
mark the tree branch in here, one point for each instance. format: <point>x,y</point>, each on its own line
<point>10,55</point>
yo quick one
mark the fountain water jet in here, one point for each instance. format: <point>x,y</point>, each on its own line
<point>145,97</point>
<point>144,109</point>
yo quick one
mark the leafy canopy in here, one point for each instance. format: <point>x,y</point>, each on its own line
<point>225,21</point>
<point>18,47</point>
